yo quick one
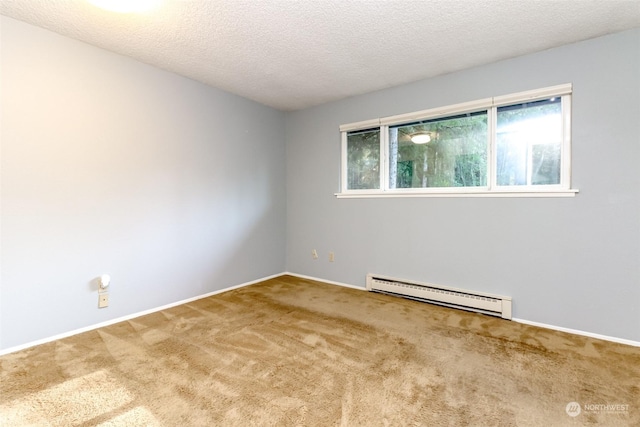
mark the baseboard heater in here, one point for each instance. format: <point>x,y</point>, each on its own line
<point>494,305</point>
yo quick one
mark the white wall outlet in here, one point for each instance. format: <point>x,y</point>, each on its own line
<point>332,257</point>
<point>314,254</point>
<point>103,300</point>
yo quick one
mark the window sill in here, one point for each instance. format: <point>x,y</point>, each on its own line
<point>501,193</point>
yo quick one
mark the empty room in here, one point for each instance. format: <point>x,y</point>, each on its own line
<point>319,213</point>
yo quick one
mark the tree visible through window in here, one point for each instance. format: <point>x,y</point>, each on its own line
<point>455,154</point>
<point>363,153</point>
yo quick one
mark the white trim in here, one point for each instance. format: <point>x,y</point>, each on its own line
<point>384,156</point>
<point>566,158</point>
<point>365,124</point>
<point>130,316</point>
<point>578,332</point>
<point>370,194</point>
<point>514,319</point>
<point>492,153</point>
<point>344,166</point>
<point>330,282</point>
<point>531,95</point>
<point>285,273</point>
<point>464,107</point>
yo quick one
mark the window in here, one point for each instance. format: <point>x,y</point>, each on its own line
<point>452,152</point>
<point>510,145</point>
<point>363,158</point>
<point>529,143</point>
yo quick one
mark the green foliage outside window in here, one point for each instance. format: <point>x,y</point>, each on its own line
<point>456,155</point>
<point>363,156</point>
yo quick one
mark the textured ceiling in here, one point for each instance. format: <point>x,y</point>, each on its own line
<point>294,54</point>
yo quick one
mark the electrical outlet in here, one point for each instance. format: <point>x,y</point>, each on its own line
<point>103,300</point>
<point>314,254</point>
<point>332,257</point>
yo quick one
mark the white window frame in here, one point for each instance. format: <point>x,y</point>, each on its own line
<point>490,105</point>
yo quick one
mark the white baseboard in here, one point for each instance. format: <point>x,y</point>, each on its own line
<point>526,322</point>
<point>578,332</point>
<point>302,276</point>
<point>129,316</point>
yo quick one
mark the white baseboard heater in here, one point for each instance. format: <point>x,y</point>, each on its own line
<point>494,305</point>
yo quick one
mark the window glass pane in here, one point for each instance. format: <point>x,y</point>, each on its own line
<point>363,159</point>
<point>445,152</point>
<point>528,143</point>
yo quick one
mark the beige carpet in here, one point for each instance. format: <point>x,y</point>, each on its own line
<point>293,352</point>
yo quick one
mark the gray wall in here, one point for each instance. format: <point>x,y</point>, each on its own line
<point>108,165</point>
<point>177,189</point>
<point>569,262</point>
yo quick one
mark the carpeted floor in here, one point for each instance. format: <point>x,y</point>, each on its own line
<point>293,352</point>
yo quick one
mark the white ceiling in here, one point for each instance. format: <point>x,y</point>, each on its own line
<point>294,54</point>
